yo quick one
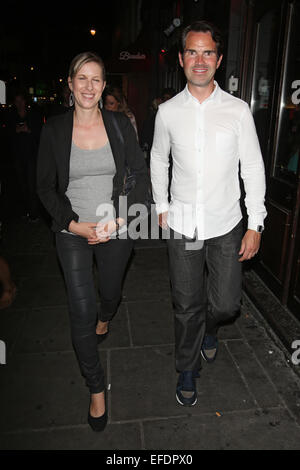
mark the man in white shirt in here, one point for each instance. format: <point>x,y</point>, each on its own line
<point>210,134</point>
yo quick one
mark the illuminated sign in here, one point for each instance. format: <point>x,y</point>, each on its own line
<point>2,92</point>
<point>125,55</point>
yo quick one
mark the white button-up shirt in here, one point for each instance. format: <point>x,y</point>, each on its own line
<point>207,142</point>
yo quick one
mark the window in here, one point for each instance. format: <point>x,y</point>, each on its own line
<point>267,34</point>
<point>288,135</point>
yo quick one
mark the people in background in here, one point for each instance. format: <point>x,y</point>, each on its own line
<point>24,127</point>
<point>7,286</point>
<point>148,125</point>
<point>115,101</point>
<point>148,129</point>
<point>62,105</point>
<point>167,94</point>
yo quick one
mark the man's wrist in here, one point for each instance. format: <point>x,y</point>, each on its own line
<point>161,208</point>
<point>255,225</point>
<point>258,229</point>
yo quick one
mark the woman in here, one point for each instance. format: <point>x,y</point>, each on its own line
<point>115,101</point>
<point>81,168</point>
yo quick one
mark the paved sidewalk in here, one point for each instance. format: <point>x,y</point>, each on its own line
<point>248,399</point>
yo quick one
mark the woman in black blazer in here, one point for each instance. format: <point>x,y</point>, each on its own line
<point>81,165</point>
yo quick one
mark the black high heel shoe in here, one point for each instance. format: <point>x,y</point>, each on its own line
<point>97,424</point>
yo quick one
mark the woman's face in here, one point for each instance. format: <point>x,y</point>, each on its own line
<point>87,85</point>
<point>111,104</point>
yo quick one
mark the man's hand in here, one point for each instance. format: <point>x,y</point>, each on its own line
<point>162,220</point>
<point>104,231</point>
<point>250,245</point>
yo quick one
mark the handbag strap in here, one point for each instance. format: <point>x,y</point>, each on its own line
<point>116,125</point>
<point>121,138</point>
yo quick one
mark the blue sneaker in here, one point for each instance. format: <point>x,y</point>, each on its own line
<point>186,393</point>
<point>209,348</point>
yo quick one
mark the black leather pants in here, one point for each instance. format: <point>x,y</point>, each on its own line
<point>76,258</point>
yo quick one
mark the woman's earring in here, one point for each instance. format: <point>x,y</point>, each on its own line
<point>101,103</point>
<point>71,99</point>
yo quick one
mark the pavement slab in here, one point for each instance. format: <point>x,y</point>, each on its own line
<point>45,330</point>
<point>115,437</point>
<point>43,390</point>
<point>151,322</point>
<point>245,430</point>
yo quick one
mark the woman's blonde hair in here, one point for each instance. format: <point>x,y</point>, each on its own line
<point>81,59</point>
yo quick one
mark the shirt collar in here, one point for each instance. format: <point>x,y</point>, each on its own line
<point>213,96</point>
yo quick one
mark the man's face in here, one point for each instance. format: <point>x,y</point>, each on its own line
<point>200,59</point>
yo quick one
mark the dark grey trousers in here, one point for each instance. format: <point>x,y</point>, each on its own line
<point>206,290</point>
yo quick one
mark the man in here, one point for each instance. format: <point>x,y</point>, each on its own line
<point>24,127</point>
<point>210,133</point>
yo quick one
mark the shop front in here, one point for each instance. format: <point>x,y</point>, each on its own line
<point>270,83</point>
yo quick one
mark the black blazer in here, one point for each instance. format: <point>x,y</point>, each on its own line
<point>53,165</point>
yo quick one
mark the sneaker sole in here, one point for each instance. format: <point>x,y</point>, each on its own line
<point>205,358</point>
<point>184,404</point>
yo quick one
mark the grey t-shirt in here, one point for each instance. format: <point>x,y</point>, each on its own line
<point>91,183</point>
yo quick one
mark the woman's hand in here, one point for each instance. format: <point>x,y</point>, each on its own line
<point>104,231</point>
<point>95,233</point>
<point>86,230</point>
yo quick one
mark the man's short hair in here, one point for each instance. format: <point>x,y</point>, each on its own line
<point>203,27</point>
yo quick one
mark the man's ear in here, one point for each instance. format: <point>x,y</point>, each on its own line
<point>180,59</point>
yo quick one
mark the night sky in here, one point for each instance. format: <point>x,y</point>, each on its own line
<point>47,35</point>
